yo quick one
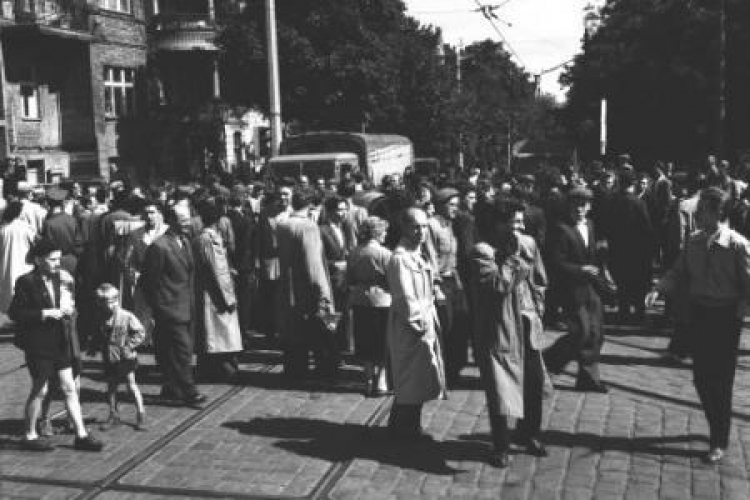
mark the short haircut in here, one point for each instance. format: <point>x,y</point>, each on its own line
<point>332,203</point>
<point>717,200</point>
<point>107,291</point>
<point>44,247</point>
<point>347,189</point>
<point>302,198</point>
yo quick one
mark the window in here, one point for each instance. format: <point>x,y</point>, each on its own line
<point>30,109</point>
<point>119,88</point>
<point>116,5</point>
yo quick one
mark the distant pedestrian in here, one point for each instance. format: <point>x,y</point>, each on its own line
<point>16,240</point>
<point>714,267</point>
<point>118,334</point>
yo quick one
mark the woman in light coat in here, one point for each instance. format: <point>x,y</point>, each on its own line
<point>416,360</point>
<point>219,337</point>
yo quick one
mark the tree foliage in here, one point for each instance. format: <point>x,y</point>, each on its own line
<point>366,65</point>
<point>657,64</point>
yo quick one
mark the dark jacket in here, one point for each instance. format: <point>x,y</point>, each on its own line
<point>168,279</point>
<point>568,254</point>
<point>37,337</point>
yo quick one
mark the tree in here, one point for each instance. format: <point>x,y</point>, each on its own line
<point>656,62</point>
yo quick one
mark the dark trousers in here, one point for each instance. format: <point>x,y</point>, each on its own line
<point>454,331</point>
<point>309,335</point>
<point>173,346</point>
<point>583,342</point>
<point>715,336</point>
<point>533,391</point>
<point>405,420</point>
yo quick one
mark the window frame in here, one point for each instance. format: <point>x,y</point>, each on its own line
<point>24,104</point>
<point>119,92</point>
<point>120,6</point>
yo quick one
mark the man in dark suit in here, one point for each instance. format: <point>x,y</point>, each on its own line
<point>40,308</point>
<point>572,250</point>
<point>168,278</point>
<point>337,243</point>
<point>62,228</point>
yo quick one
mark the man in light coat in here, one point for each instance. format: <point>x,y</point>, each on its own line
<point>416,360</point>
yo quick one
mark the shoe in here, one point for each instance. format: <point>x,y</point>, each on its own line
<point>499,459</point>
<point>379,393</point>
<point>713,456</point>
<point>592,386</point>
<point>38,444</point>
<point>140,423</point>
<point>195,399</point>
<point>88,443</point>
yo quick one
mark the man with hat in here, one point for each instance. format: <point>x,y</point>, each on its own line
<point>451,298</point>
<point>572,254</point>
<point>62,228</point>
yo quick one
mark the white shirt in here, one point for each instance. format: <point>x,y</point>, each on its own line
<point>583,229</point>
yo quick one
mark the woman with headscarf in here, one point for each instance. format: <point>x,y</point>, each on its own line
<point>370,301</point>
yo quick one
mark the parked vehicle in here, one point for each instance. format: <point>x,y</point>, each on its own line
<point>379,154</point>
<point>314,166</point>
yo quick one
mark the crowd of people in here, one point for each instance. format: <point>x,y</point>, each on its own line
<point>411,277</point>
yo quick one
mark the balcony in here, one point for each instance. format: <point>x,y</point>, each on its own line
<point>61,18</point>
<point>184,32</point>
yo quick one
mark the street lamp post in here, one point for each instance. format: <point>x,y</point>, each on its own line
<point>273,77</point>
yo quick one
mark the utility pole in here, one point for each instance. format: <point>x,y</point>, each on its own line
<point>722,111</point>
<point>273,77</point>
<point>458,86</point>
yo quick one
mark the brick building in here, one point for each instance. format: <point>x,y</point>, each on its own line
<point>89,85</point>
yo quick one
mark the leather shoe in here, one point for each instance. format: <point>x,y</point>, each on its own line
<point>499,459</point>
<point>38,444</point>
<point>592,387</point>
<point>713,456</point>
<point>195,399</point>
<point>88,443</point>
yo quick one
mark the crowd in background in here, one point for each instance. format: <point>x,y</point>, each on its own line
<point>410,276</point>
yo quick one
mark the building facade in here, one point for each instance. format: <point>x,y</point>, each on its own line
<point>95,88</point>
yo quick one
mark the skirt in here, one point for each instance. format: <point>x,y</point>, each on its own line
<point>370,325</point>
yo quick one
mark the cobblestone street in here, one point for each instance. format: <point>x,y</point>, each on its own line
<point>325,440</point>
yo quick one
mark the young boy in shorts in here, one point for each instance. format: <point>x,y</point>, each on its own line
<point>119,333</point>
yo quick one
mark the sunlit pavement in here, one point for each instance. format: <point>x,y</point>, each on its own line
<point>260,439</point>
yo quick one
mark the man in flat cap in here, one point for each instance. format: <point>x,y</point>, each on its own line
<point>572,247</point>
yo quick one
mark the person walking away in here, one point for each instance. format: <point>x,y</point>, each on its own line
<point>16,241</point>
<point>370,302</point>
<point>38,309</point>
<point>715,269</point>
<point>306,296</point>
<point>412,338</point>
<point>119,334</point>
<point>220,339</point>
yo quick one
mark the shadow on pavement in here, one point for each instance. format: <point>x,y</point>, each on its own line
<point>335,442</point>
<point>613,359</point>
<point>598,444</point>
